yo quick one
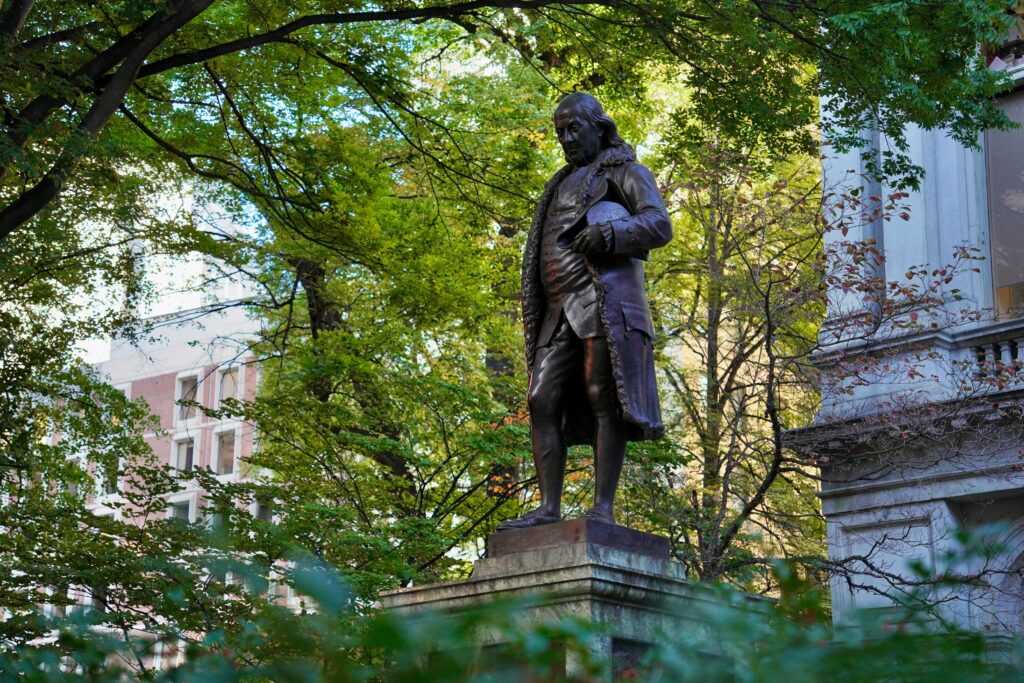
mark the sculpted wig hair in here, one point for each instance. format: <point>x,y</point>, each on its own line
<point>593,111</point>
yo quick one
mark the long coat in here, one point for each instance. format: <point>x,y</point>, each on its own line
<point>619,280</point>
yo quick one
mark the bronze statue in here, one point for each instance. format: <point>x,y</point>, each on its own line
<point>589,337</point>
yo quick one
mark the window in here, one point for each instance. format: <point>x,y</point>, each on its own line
<point>1011,51</point>
<point>264,513</point>
<point>180,510</point>
<point>57,607</point>
<point>184,455</point>
<point>77,474</point>
<point>281,592</point>
<point>217,522</point>
<point>126,390</point>
<point>226,452</point>
<point>1005,172</point>
<point>171,654</point>
<point>188,390</point>
<point>219,577</point>
<point>255,582</point>
<point>110,474</point>
<point>97,598</point>
<point>228,387</point>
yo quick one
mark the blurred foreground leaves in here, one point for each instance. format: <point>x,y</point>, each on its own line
<point>791,642</point>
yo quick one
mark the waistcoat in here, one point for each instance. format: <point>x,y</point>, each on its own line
<point>564,275</point>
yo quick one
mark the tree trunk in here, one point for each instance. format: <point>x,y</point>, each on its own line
<point>711,480</point>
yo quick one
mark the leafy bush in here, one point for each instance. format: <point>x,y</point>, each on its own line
<point>792,643</point>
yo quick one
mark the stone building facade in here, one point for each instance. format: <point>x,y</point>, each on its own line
<point>919,436</point>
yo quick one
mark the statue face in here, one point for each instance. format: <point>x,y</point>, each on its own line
<point>580,139</point>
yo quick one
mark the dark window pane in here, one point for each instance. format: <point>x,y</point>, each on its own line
<point>229,384</point>
<point>110,480</point>
<point>225,453</point>
<point>217,522</point>
<point>187,391</point>
<point>1005,171</point>
<point>185,456</point>
<point>180,511</point>
<point>98,598</point>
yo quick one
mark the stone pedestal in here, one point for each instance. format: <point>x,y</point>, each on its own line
<point>619,579</point>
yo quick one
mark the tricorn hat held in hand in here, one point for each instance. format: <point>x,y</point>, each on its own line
<point>608,204</point>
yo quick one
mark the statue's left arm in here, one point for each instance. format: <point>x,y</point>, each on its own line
<point>649,227</point>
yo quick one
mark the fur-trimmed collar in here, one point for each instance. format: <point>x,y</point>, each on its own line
<point>610,156</point>
<point>616,156</point>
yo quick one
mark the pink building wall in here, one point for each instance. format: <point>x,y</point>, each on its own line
<point>159,392</point>
<point>152,370</point>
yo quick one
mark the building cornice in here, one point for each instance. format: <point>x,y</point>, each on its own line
<point>848,438</point>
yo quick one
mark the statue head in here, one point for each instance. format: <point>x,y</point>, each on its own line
<point>583,128</point>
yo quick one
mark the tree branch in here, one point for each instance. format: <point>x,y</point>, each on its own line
<point>422,14</point>
<point>49,39</point>
<point>31,202</point>
<point>14,19</point>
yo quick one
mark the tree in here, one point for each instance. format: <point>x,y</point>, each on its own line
<point>334,645</point>
<point>325,129</point>
<point>64,436</point>
<point>70,70</point>
<point>736,300</point>
<point>379,409</point>
<point>739,299</point>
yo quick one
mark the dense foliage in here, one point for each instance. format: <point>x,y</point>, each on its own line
<point>381,160</point>
<point>792,642</point>
<point>738,304</point>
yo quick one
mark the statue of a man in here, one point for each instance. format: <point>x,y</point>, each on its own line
<point>589,338</point>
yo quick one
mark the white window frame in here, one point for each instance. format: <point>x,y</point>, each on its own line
<point>193,506</point>
<point>254,509</point>
<point>49,608</point>
<point>103,508</point>
<point>163,661</point>
<point>158,656</point>
<point>240,382</point>
<point>215,459</point>
<point>210,515</point>
<point>102,497</point>
<point>290,599</point>
<point>194,421</point>
<point>180,438</point>
<point>82,460</point>
<point>126,389</point>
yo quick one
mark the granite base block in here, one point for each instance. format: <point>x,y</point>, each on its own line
<point>619,579</point>
<point>581,530</point>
